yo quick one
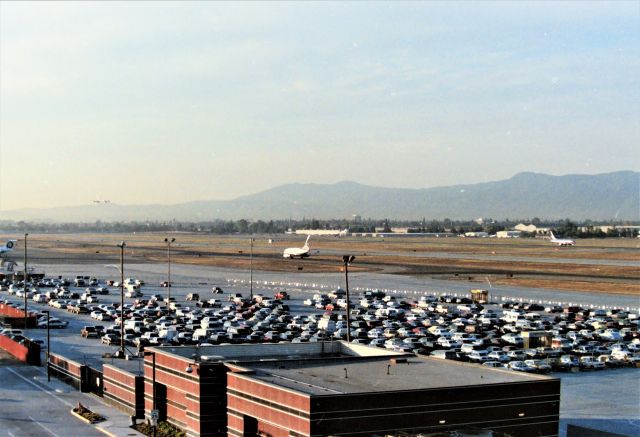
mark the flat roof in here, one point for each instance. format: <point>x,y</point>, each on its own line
<point>370,375</point>
<point>275,351</point>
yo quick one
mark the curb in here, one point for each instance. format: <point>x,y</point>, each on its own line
<point>104,431</point>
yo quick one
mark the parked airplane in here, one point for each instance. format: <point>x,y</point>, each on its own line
<point>299,252</point>
<point>561,241</point>
<point>8,246</point>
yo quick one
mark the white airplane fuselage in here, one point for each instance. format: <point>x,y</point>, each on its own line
<point>561,241</point>
<point>297,252</point>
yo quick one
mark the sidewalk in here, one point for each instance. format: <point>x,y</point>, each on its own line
<point>117,423</point>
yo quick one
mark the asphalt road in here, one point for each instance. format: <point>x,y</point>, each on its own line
<point>188,278</point>
<point>28,408</point>
<point>492,257</point>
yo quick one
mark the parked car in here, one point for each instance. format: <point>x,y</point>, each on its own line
<point>89,332</point>
<point>591,363</point>
<point>53,324</point>
<point>540,366</point>
<point>520,366</point>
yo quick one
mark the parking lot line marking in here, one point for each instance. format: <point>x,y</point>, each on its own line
<point>39,387</point>
<point>43,427</point>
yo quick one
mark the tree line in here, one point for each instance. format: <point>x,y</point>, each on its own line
<point>566,227</point>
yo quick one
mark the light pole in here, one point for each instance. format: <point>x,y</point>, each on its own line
<point>169,241</point>
<point>25,276</point>
<point>153,379</point>
<point>251,269</point>
<point>48,347</point>
<point>121,351</point>
<point>347,259</point>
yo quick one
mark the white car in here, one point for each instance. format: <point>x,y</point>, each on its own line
<point>53,324</point>
<point>591,363</point>
<point>11,331</point>
<point>513,339</point>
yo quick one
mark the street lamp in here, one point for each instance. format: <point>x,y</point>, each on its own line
<point>25,276</point>
<point>169,241</point>
<point>48,346</point>
<point>121,351</point>
<point>251,269</point>
<point>154,412</point>
<point>347,259</point>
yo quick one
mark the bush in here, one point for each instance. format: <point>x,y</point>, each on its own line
<point>88,414</point>
<point>164,429</point>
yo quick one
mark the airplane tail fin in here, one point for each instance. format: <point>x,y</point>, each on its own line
<point>553,237</point>
<point>306,243</point>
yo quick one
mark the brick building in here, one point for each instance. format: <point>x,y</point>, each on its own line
<point>339,388</point>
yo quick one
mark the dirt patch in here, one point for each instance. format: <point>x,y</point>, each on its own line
<point>389,255</point>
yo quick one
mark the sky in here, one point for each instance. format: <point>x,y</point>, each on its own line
<point>169,102</point>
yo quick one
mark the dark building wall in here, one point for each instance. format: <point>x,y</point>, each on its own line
<point>523,409</point>
<point>213,399</point>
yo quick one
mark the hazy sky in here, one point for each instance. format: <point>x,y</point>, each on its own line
<point>166,102</point>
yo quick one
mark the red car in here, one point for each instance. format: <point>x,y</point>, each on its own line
<point>282,295</point>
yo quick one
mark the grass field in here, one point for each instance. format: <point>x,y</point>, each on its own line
<point>607,266</point>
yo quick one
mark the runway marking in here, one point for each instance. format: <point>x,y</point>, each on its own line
<point>42,426</point>
<point>39,388</point>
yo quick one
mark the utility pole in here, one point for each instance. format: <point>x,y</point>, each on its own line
<point>169,241</point>
<point>347,259</point>
<point>25,277</point>
<point>251,269</point>
<point>121,351</point>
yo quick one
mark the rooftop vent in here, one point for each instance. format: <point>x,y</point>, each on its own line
<point>398,360</point>
<point>211,358</point>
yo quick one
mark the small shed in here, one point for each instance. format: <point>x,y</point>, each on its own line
<point>479,296</point>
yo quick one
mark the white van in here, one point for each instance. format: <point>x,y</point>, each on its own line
<point>134,325</point>
<point>202,334</point>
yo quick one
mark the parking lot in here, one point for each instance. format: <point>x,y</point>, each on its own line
<point>590,341</point>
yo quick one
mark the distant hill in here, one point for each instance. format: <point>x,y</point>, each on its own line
<point>525,195</point>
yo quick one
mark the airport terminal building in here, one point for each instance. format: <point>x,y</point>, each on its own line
<point>338,388</point>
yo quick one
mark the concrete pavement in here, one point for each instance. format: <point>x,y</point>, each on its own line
<point>32,406</point>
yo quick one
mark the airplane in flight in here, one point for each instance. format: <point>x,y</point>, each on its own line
<point>297,252</point>
<point>8,246</point>
<point>561,241</point>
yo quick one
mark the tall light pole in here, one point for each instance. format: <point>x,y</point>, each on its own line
<point>251,269</point>
<point>48,347</point>
<point>25,277</point>
<point>121,351</point>
<point>169,241</point>
<point>347,259</point>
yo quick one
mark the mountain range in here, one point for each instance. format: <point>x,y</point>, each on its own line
<point>608,196</point>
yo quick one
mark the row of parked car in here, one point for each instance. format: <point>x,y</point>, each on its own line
<point>447,327</point>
